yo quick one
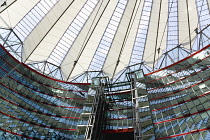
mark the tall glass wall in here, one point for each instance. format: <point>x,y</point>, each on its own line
<point>170,103</point>
<point>179,98</point>
<point>34,106</point>
<point>128,108</point>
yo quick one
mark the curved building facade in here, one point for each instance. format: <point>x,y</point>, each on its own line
<point>34,106</point>
<point>171,103</point>
<point>179,98</point>
<point>104,69</point>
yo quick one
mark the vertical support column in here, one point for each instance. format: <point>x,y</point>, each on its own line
<point>95,121</point>
<point>133,77</point>
<point>141,113</point>
<point>137,127</point>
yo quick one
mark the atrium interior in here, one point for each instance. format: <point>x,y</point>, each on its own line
<point>105,69</point>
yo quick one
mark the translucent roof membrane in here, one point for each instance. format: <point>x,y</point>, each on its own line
<point>106,41</point>
<point>172,39</point>
<point>70,37</point>
<point>204,20</point>
<point>141,35</point>
<point>203,13</point>
<point>33,17</point>
<point>63,46</point>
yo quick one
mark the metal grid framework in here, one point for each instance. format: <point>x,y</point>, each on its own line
<point>35,106</point>
<point>170,103</point>
<point>108,36</point>
<point>141,34</point>
<point>68,38</point>
<point>142,18</point>
<point>25,26</point>
<point>179,100</point>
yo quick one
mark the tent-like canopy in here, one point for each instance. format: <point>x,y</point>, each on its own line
<point>74,36</point>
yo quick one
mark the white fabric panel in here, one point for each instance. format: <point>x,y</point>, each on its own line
<point>208,3</point>
<point>117,44</point>
<point>9,17</point>
<point>93,42</point>
<point>156,33</point>
<point>4,5</point>
<point>130,42</point>
<point>186,30</point>
<point>42,40</point>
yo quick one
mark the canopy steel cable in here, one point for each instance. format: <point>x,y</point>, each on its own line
<point>151,1</point>
<point>129,31</point>
<point>15,26</point>
<point>157,32</point>
<point>5,4</point>
<point>64,35</point>
<point>9,17</point>
<point>198,22</point>
<point>137,30</point>
<point>188,19</point>
<point>164,32</point>
<point>199,16</point>
<point>49,30</point>
<point>125,38</point>
<point>164,28</point>
<point>95,54</point>
<point>86,41</point>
